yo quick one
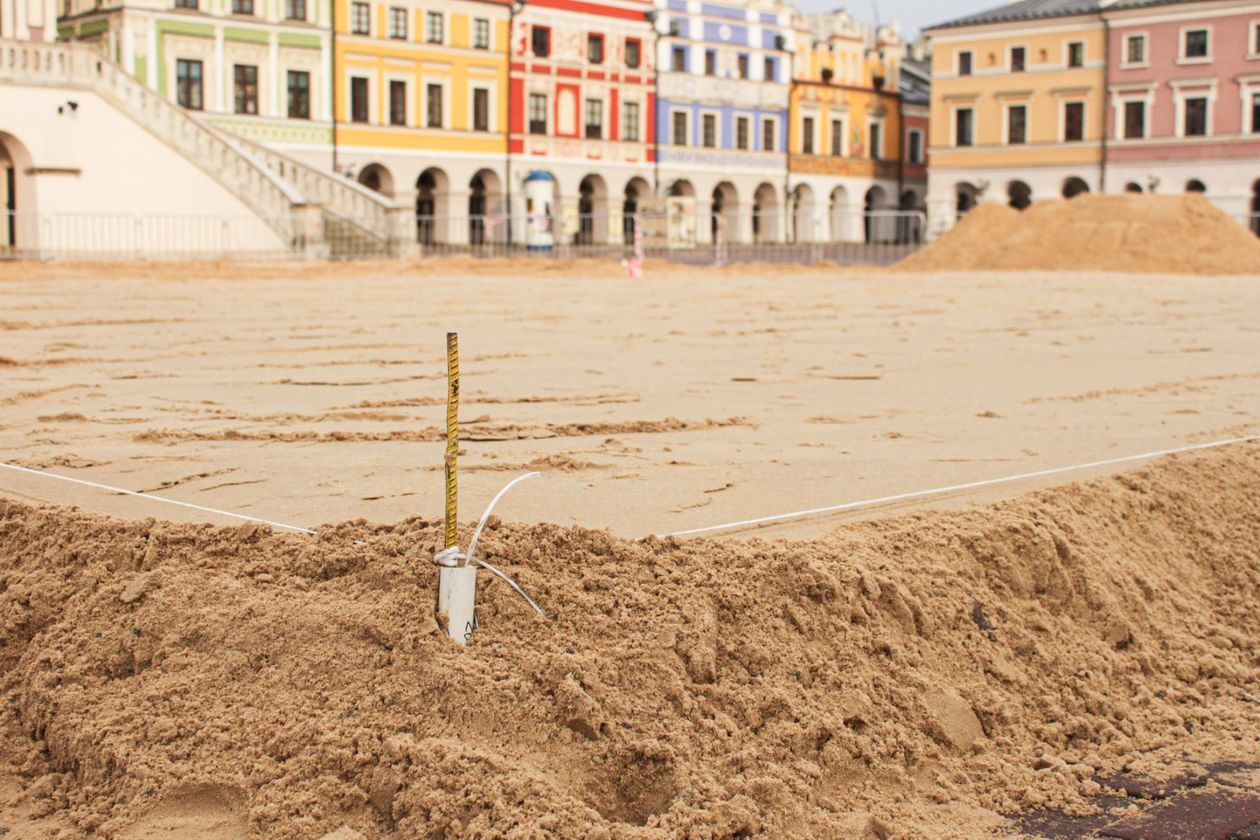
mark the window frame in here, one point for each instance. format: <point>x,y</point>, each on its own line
<point>545,32</point>
<point>1007,108</point>
<point>242,100</point>
<point>443,98</point>
<point>489,111</point>
<point>356,6</point>
<point>482,25</point>
<point>711,63</point>
<point>1067,54</point>
<point>743,65</point>
<point>430,19</point>
<point>393,84</point>
<point>840,135</point>
<point>1123,123</point>
<point>773,124</point>
<point>971,126</point>
<point>771,64</point>
<point>674,114</point>
<point>1144,37</point>
<point>637,44</point>
<point>532,126</point>
<point>396,14</point>
<point>244,8</point>
<point>353,81</point>
<point>1010,58</point>
<point>1183,56</point>
<point>290,6</point>
<point>289,76</point>
<point>958,62</point>
<point>676,52</point>
<point>1063,121</point>
<point>593,38</point>
<point>743,131</point>
<point>1253,39</point>
<point>626,122</point>
<point>809,134</point>
<point>912,155</point>
<point>587,125</point>
<point>707,117</point>
<point>1184,115</point>
<point>192,5</point>
<point>875,128</point>
<point>188,85</point>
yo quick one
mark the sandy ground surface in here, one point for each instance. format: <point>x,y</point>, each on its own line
<point>691,398</point>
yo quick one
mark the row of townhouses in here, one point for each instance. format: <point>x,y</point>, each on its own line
<point>1046,98</point>
<point>765,124</point>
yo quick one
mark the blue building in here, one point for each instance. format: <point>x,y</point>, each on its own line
<point>724,76</point>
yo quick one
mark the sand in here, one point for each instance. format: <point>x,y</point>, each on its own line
<point>686,400</point>
<point>935,675</point>
<point>1153,233</point>
<point>924,676</point>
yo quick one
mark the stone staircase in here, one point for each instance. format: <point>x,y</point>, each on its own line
<point>299,202</point>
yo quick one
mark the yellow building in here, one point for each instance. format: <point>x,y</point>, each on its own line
<point>1017,106</point>
<point>844,128</point>
<point>421,107</point>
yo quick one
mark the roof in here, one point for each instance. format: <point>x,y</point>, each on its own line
<point>1026,10</point>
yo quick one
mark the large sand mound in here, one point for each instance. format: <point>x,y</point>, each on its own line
<point>934,670</point>
<point>1184,234</point>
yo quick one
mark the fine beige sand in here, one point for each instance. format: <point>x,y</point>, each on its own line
<point>927,673</point>
<point>315,394</point>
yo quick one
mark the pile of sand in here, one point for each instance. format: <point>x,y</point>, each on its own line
<point>1184,234</point>
<point>918,676</point>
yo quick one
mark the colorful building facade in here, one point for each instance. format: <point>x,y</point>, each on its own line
<point>582,104</point>
<point>1184,102</point>
<point>725,78</point>
<point>846,132</point>
<point>421,109</point>
<point>257,68</point>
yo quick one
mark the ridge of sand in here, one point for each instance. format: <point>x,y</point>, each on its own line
<point>918,676</point>
<point>1181,234</point>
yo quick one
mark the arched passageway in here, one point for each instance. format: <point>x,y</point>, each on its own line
<point>485,198</point>
<point>965,195</point>
<point>377,178</point>
<point>723,212</point>
<point>841,215</point>
<point>592,211</point>
<point>765,214</point>
<point>1019,195</point>
<point>17,196</point>
<point>637,191</point>
<point>1133,187</point>
<point>875,224</point>
<point>802,218</point>
<point>1255,208</point>
<point>432,189</point>
<point>1074,186</point>
<point>1195,185</point>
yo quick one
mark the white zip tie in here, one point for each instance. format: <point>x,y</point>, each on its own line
<point>125,492</point>
<point>936,491</point>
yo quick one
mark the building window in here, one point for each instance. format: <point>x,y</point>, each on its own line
<point>877,141</point>
<point>242,7</point>
<point>741,133</point>
<point>434,26</point>
<point>1135,49</point>
<point>710,62</point>
<point>245,87</point>
<point>678,60</point>
<point>538,113</point>
<point>1017,124</point>
<point>398,23</point>
<point>595,49</point>
<point>741,64</point>
<point>1195,116</point>
<point>594,119</point>
<point>807,135</point>
<point>1017,59</point>
<point>767,135</point>
<point>630,122</point>
<point>679,128</point>
<point>768,70</point>
<point>481,33</point>
<point>1073,121</point>
<point>1134,120</point>
<point>188,84</point>
<point>360,18</point>
<point>299,94</point>
<point>916,147</point>
<point>837,138</point>
<point>1255,113</point>
<point>964,62</point>
<point>295,9</point>
<point>1194,43</point>
<point>179,4</point>
<point>963,124</point>
<point>540,39</point>
<point>1076,54</point>
<point>708,131</point>
<point>633,49</point>
<point>397,103</point>
<point>358,99</point>
<point>481,109</point>
<point>433,105</point>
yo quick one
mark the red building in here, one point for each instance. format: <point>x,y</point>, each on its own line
<point>581,107</point>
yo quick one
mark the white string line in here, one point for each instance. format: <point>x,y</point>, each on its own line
<point>86,483</point>
<point>936,491</point>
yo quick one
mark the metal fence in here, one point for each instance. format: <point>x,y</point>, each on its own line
<point>878,237</point>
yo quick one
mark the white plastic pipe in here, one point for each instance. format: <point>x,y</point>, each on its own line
<point>457,600</point>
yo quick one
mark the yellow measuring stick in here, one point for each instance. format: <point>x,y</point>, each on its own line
<point>452,438</point>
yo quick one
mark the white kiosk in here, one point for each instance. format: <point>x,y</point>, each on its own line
<point>540,202</point>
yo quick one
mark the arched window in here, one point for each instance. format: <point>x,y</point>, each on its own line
<point>1195,185</point>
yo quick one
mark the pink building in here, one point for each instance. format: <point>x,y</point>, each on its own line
<point>1184,91</point>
